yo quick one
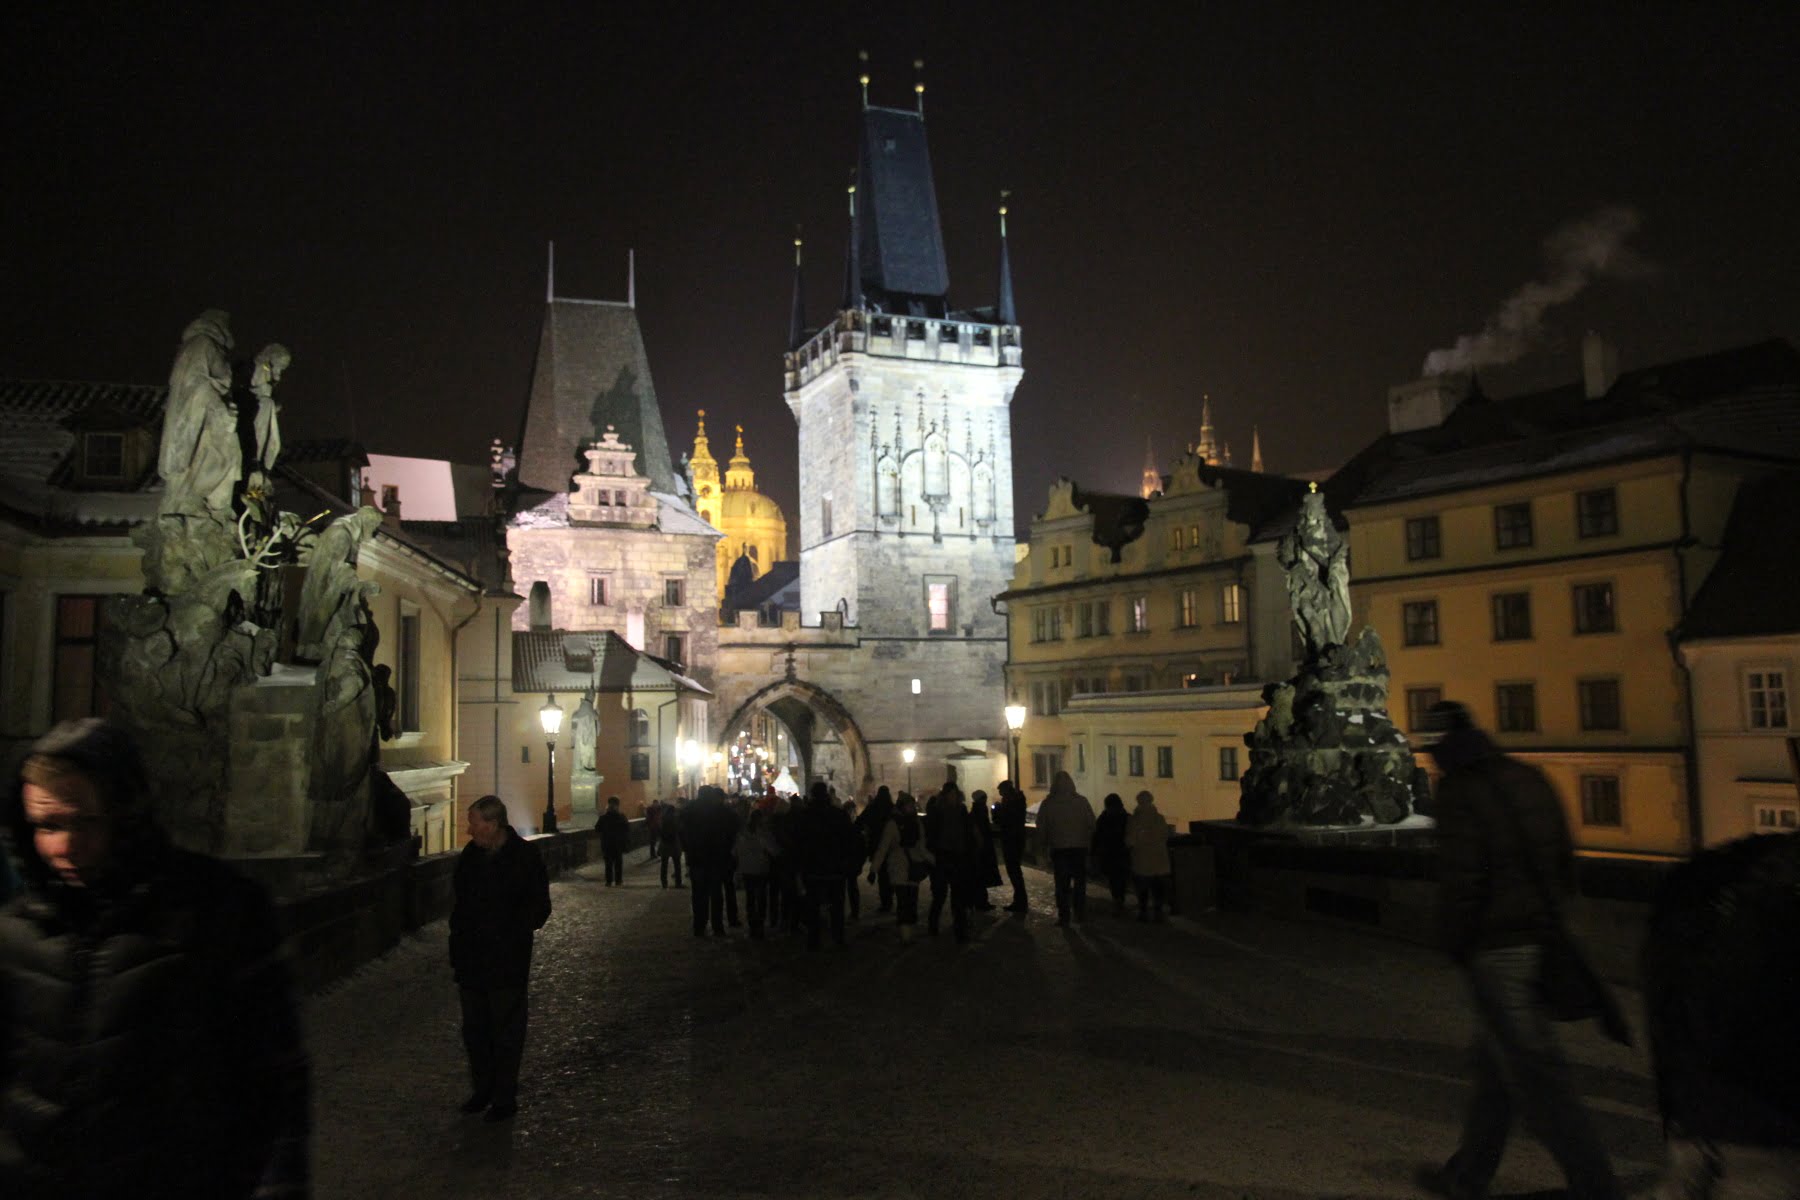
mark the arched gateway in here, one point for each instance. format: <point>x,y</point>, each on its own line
<point>825,737</point>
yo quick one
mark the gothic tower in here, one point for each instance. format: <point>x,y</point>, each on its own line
<point>903,406</point>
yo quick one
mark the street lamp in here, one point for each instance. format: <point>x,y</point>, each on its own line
<point>1015,721</point>
<point>690,758</point>
<point>550,717</point>
<point>906,756</point>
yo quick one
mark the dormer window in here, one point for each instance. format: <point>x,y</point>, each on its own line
<point>103,456</point>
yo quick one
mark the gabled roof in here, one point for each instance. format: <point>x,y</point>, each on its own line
<point>901,245</point>
<point>1739,401</point>
<point>592,371</point>
<point>559,661</point>
<point>1749,592</point>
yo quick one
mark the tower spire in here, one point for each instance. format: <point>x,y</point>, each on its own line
<point>1208,449</point>
<point>1004,308</point>
<point>863,76</point>
<point>853,256</point>
<point>919,85</point>
<point>797,320</point>
<point>1152,483</point>
<point>1256,450</point>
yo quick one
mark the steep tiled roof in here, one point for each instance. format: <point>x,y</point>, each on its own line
<point>1750,591</point>
<point>558,661</point>
<point>901,244</point>
<point>1740,401</point>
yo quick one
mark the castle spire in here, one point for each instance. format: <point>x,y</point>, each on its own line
<point>1152,483</point>
<point>1005,311</point>
<point>797,320</point>
<point>703,475</point>
<point>1208,449</point>
<point>1256,450</point>
<point>919,85</point>
<point>863,77</point>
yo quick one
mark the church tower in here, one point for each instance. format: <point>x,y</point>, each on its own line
<point>904,410</point>
<point>703,476</point>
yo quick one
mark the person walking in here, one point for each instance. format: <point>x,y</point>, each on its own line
<point>502,898</point>
<point>668,841</point>
<point>151,1042</point>
<point>653,831</point>
<point>708,831</point>
<point>755,852</point>
<point>1066,827</point>
<point>1009,826</point>
<point>1503,845</point>
<point>871,823</point>
<point>987,862</point>
<point>951,840</point>
<point>855,852</point>
<point>901,856</point>
<point>822,831</point>
<point>615,839</point>
<point>1111,853</point>
<point>1147,841</point>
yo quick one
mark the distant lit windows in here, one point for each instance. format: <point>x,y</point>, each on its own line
<point>1231,604</point>
<point>672,593</point>
<point>1598,702</point>
<point>1596,513</point>
<point>1774,816</point>
<point>1515,708</point>
<point>1594,608</point>
<point>1134,760</point>
<point>1765,698</point>
<point>1419,623</point>
<point>1193,537</point>
<point>1137,614</point>
<point>1175,537</point>
<point>1418,702</point>
<point>1165,762</point>
<point>1228,763</point>
<point>1512,525</point>
<point>937,605</point>
<point>1423,539</point>
<point>1601,805</point>
<point>1187,605</point>
<point>1512,616</point>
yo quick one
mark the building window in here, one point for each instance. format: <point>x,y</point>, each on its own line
<point>672,589</point>
<point>640,765</point>
<point>1594,608</point>
<point>1193,537</point>
<point>1600,804</point>
<point>937,607</point>
<point>1046,623</point>
<point>1046,698</point>
<point>1231,604</point>
<point>1596,513</point>
<point>75,689</point>
<point>1419,623</point>
<point>1228,764</point>
<point>1134,760</point>
<point>1137,613</point>
<point>1765,698</point>
<point>1165,762</point>
<point>1423,538</point>
<point>1512,616</point>
<point>1515,708</point>
<point>1081,758</point>
<point>1775,816</point>
<point>1418,702</point>
<point>597,589</point>
<point>1599,703</point>
<point>390,496</point>
<point>1188,602</point>
<point>408,674</point>
<point>675,648</point>
<point>1512,525</point>
<point>103,456</point>
<point>1044,766</point>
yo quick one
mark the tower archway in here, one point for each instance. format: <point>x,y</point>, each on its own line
<point>823,732</point>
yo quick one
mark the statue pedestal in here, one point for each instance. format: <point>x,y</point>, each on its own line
<point>270,772</point>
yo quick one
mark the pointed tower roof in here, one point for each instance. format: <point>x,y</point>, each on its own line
<point>797,319</point>
<point>1256,449</point>
<point>1208,446</point>
<point>592,371</point>
<point>738,475</point>
<point>1004,309</point>
<point>702,455</point>
<point>1152,483</point>
<point>899,240</point>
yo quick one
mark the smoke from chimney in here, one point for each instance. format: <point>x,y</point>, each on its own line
<point>1575,255</point>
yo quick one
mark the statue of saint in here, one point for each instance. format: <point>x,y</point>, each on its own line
<point>200,459</point>
<point>1318,576</point>
<point>331,582</point>
<point>584,726</point>
<point>265,373</point>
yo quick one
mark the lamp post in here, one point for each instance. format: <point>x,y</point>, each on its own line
<point>550,717</point>
<point>690,758</point>
<point>1015,721</point>
<point>906,756</point>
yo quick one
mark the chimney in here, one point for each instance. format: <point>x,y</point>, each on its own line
<point>1426,402</point>
<point>1599,365</point>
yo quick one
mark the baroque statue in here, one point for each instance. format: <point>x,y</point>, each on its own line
<point>200,460</point>
<point>1318,576</point>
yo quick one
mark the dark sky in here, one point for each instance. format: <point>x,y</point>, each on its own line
<point>1285,206</point>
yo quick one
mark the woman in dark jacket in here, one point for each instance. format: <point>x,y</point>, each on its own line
<point>987,856</point>
<point>1111,850</point>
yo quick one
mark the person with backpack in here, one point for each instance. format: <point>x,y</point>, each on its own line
<point>902,858</point>
<point>1147,837</point>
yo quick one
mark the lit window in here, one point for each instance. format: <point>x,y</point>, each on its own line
<point>1188,601</point>
<point>1512,525</point>
<point>1512,616</point>
<point>1594,608</point>
<point>1231,604</point>
<point>1138,614</point>
<point>1599,702</point>
<point>75,689</point>
<point>1193,536</point>
<point>1596,513</point>
<point>1600,802</point>
<point>1765,698</point>
<point>1423,538</point>
<point>937,600</point>
<point>1515,706</point>
<point>1419,623</point>
<point>1228,764</point>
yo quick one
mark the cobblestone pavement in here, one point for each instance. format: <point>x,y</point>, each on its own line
<point>1226,1056</point>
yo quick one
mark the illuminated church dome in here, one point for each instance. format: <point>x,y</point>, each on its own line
<point>753,524</point>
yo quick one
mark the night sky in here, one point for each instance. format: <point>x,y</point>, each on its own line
<point>1287,207</point>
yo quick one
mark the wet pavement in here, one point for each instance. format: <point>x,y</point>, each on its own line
<point>1224,1056</point>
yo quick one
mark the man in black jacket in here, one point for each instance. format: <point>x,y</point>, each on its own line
<point>1503,845</point>
<point>502,899</point>
<point>1009,826</point>
<point>149,1040</point>
<point>615,839</point>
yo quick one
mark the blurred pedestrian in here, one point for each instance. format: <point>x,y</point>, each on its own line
<point>822,832</point>
<point>1009,826</point>
<point>755,853</point>
<point>871,823</point>
<point>1065,827</point>
<point>708,831</point>
<point>902,857</point>
<point>615,839</point>
<point>150,1043</point>
<point>653,831</point>
<point>951,840</point>
<point>1111,854</point>
<point>668,841</point>
<point>856,852</point>
<point>1147,839</point>
<point>986,872</point>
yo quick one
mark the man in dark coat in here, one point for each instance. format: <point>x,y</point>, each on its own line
<point>1009,826</point>
<point>709,830</point>
<point>1504,856</point>
<point>822,838</point>
<point>950,836</point>
<point>615,839</point>
<point>149,1040</point>
<point>502,899</point>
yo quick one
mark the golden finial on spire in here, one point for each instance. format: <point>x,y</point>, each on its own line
<point>1312,486</point>
<point>1004,193</point>
<point>796,245</point>
<point>919,87</point>
<point>863,78</point>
